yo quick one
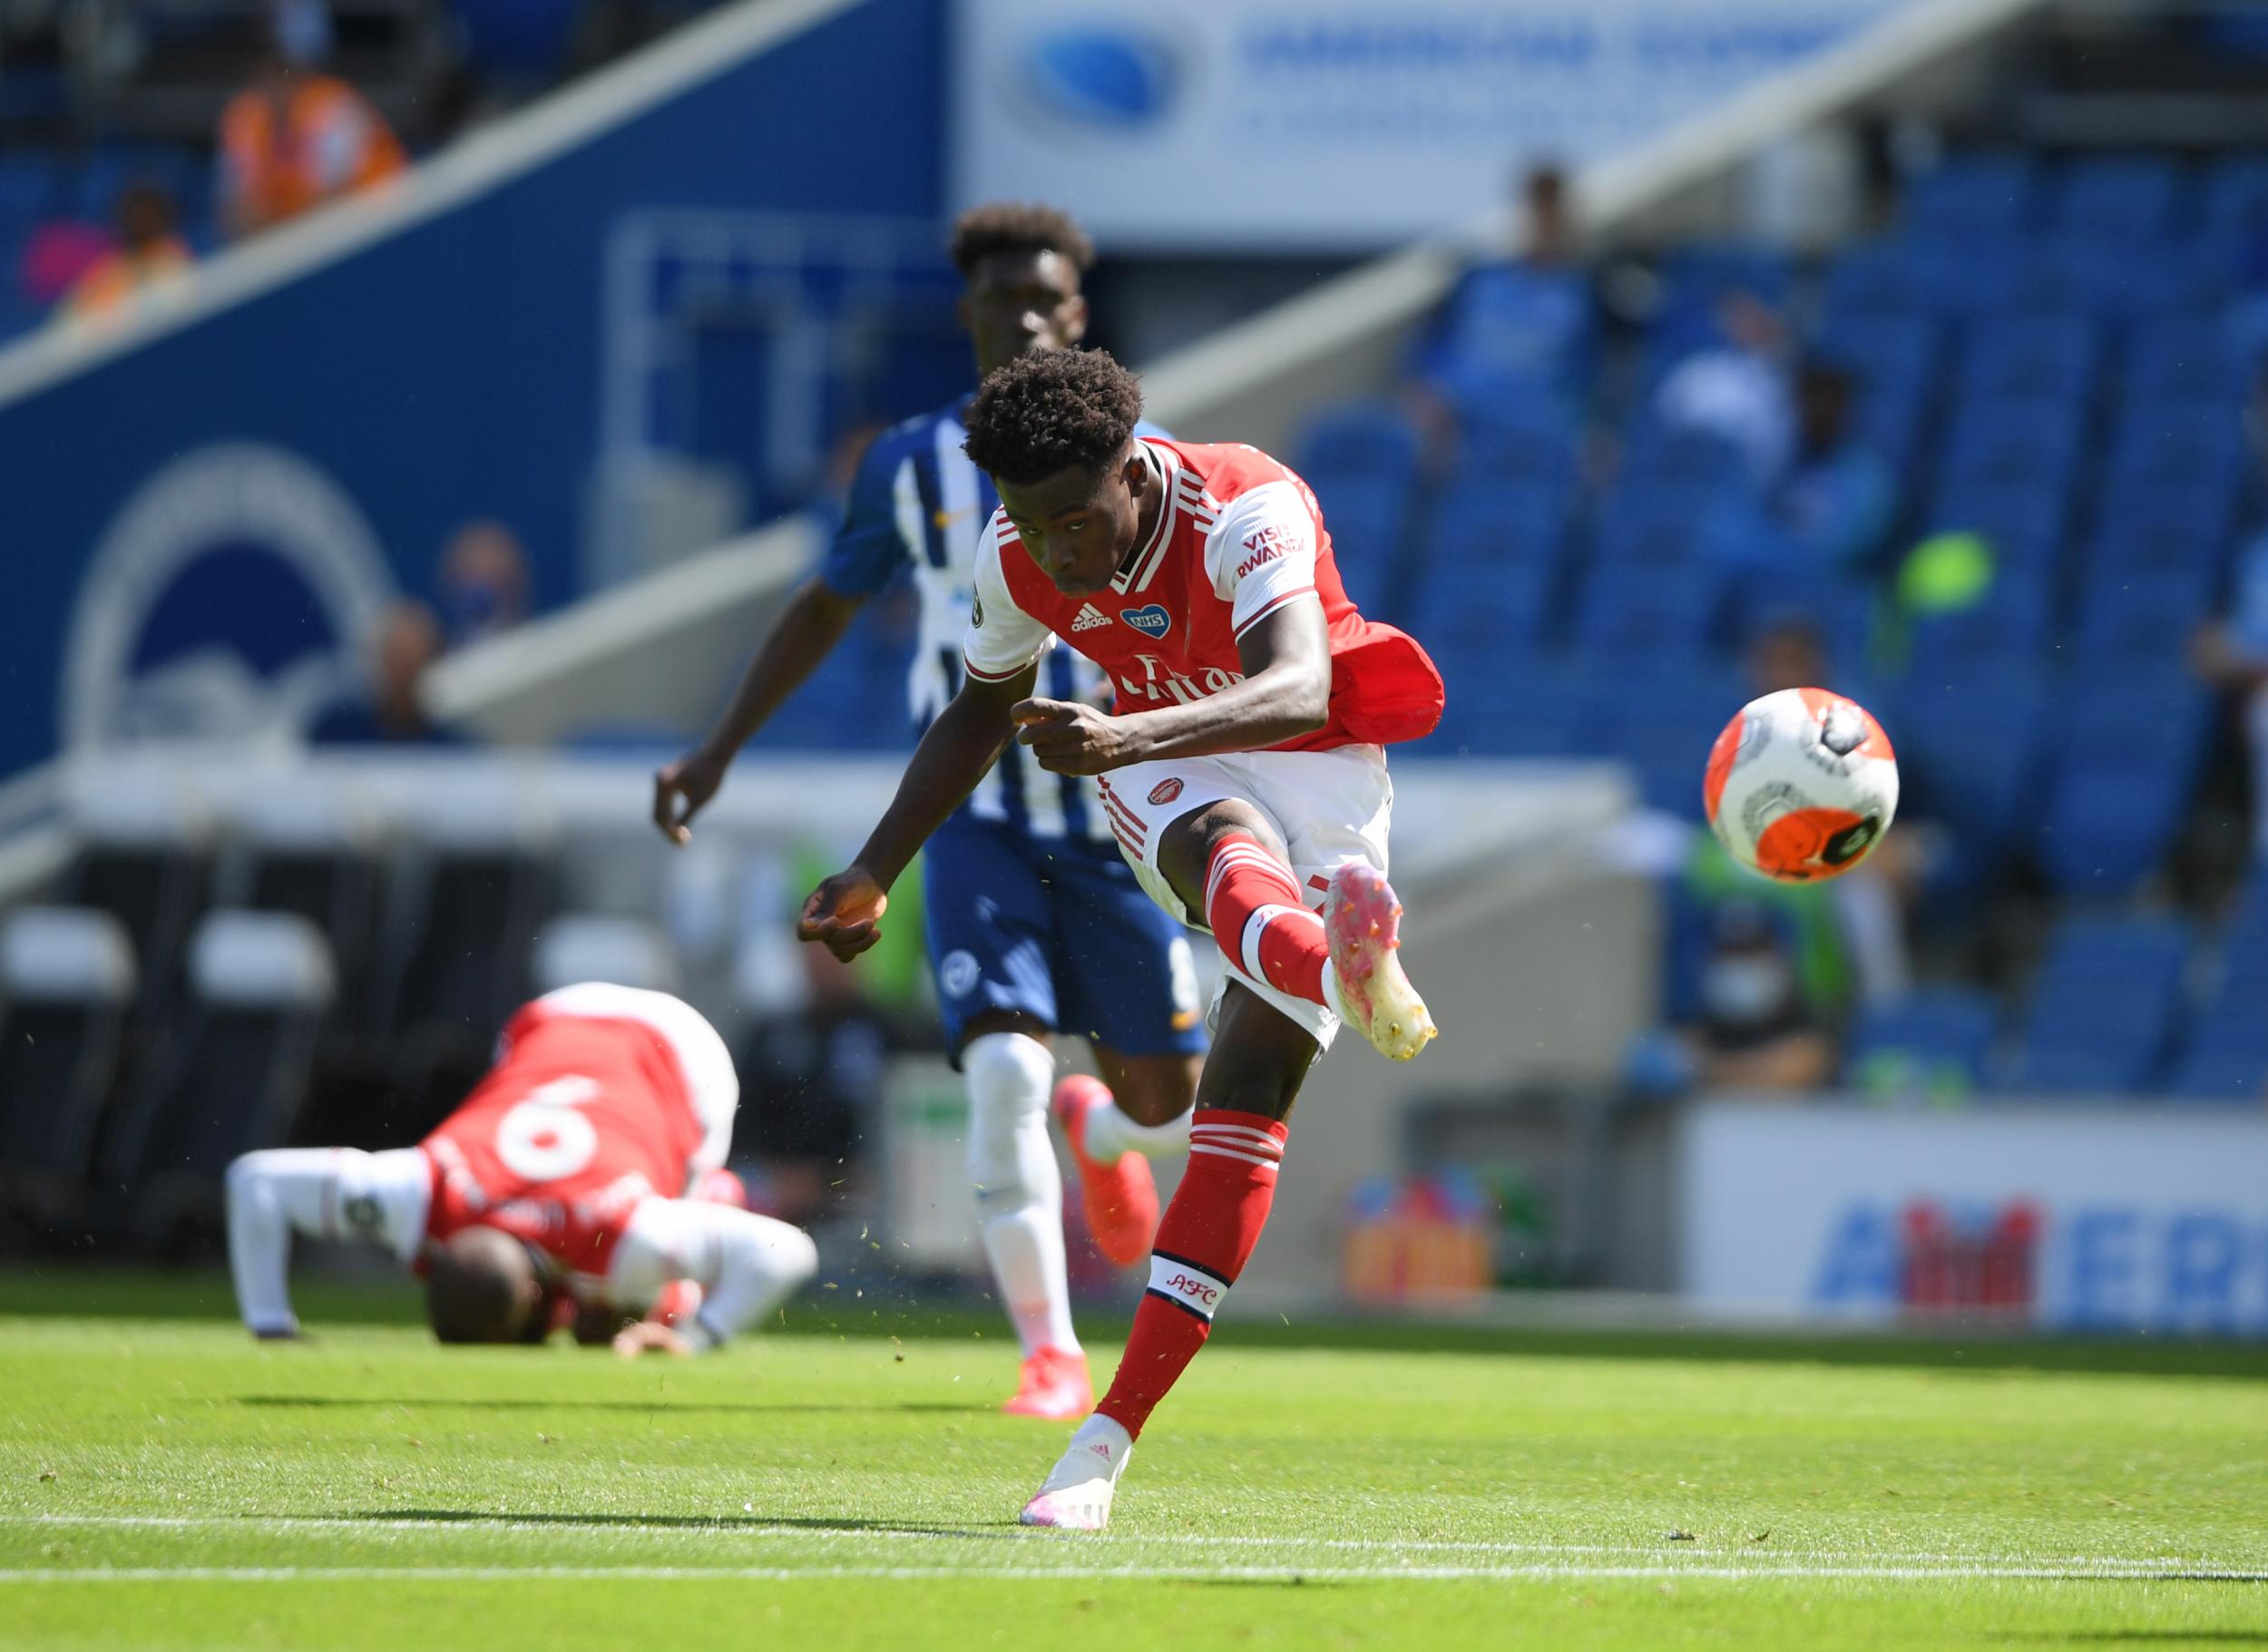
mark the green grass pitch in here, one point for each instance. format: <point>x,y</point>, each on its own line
<point>166,1482</point>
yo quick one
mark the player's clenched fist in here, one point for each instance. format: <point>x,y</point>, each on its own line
<point>845,913</point>
<point>1072,738</point>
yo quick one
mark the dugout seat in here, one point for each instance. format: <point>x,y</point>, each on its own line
<point>66,990</point>
<point>234,1076</point>
<point>579,947</point>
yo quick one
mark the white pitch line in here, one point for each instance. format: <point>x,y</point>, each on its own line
<point>723,1526</point>
<point>1379,1574</point>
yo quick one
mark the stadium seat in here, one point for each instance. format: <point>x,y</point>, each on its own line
<point>1484,522</point>
<point>1523,437</point>
<point>144,858</point>
<point>2179,444</point>
<point>1529,707</point>
<point>2117,198</point>
<point>2012,620</point>
<point>2000,442</point>
<point>2234,201</point>
<point>2125,760</point>
<point>1499,607</point>
<point>1970,738</point>
<point>1632,612</point>
<point>67,989</point>
<point>234,1074</point>
<point>302,846</point>
<point>1372,439</point>
<point>2024,521</point>
<point>1972,195</point>
<point>517,40</point>
<point>1934,1040</point>
<point>2017,358</point>
<point>2183,359</point>
<point>1368,519</point>
<point>2142,617</point>
<point>2143,527</point>
<point>579,947</point>
<point>1660,717</point>
<point>2102,1007</point>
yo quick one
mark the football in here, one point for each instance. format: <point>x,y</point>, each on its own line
<point>1801,785</point>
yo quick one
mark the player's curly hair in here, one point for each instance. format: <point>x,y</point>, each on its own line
<point>1053,411</point>
<point>1008,225</point>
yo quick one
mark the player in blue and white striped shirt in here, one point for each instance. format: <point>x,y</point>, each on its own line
<point>1035,924</point>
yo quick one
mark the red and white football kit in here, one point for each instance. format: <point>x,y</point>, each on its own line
<point>605,1106</point>
<point>1239,536</point>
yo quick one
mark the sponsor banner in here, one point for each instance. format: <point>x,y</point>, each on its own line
<point>1265,122</point>
<point>2078,1219</point>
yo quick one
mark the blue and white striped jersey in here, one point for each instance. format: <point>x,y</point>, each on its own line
<point>917,500</point>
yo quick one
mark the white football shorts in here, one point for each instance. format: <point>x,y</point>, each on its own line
<point>1330,807</point>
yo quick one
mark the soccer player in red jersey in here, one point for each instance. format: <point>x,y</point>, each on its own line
<point>1243,772</point>
<point>579,1167</point>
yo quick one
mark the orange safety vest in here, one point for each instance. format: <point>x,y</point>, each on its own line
<point>329,141</point>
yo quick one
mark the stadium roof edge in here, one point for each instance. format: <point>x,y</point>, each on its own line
<point>1236,378</point>
<point>467,170</point>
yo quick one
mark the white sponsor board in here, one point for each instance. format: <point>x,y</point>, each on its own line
<point>1252,124</point>
<point>2070,1219</point>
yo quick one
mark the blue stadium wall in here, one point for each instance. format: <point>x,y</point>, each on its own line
<point>447,372</point>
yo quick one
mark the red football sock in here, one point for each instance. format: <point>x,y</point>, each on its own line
<point>1252,902</point>
<point>1203,1242</point>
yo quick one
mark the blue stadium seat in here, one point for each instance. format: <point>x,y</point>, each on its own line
<point>2142,617</point>
<point>1970,738</point>
<point>1655,455</point>
<point>2117,198</point>
<point>1481,522</point>
<point>1935,1039</point>
<point>1628,612</point>
<point>1368,518</point>
<point>2170,445</point>
<point>1370,439</point>
<point>2176,358</point>
<point>1518,437</point>
<point>2235,196</point>
<point>1660,717</point>
<point>517,39</point>
<point>2015,358</point>
<point>1479,608</point>
<point>2103,1006</point>
<point>1972,195</point>
<point>1532,708</point>
<point>2125,751</point>
<point>2011,620</point>
<point>2027,440</point>
<point>1658,524</point>
<point>1880,278</point>
<point>2162,527</point>
<point>2116,280</point>
<point>2225,1056</point>
<point>2024,520</point>
<point>1880,348</point>
<point>1840,607</point>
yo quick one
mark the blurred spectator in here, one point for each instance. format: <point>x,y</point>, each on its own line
<point>2232,653</point>
<point>149,261</point>
<point>1521,325</point>
<point>811,1082</point>
<point>484,582</point>
<point>391,710</point>
<point>1834,506</point>
<point>296,138</point>
<point>1756,1031</point>
<point>1737,389</point>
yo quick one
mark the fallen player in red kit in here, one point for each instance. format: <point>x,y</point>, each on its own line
<point>572,1170</point>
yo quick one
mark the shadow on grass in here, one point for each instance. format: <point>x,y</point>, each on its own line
<point>1006,1531</point>
<point>2150,1637</point>
<point>660,1403</point>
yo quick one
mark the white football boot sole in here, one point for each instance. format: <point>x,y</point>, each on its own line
<point>1362,925</point>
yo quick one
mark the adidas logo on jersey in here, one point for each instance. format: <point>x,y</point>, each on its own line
<point>1090,615</point>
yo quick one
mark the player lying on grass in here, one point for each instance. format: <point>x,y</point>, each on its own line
<point>564,1174</point>
<point>1035,926</point>
<point>1243,773</point>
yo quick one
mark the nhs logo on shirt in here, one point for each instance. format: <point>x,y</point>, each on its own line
<point>1151,621</point>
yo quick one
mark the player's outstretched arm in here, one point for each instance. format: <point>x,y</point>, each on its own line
<point>744,1264</point>
<point>845,913</point>
<point>322,1193</point>
<point>804,633</point>
<point>1285,693</point>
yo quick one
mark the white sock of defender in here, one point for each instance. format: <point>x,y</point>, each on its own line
<point>1019,1187</point>
<point>1110,1133</point>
